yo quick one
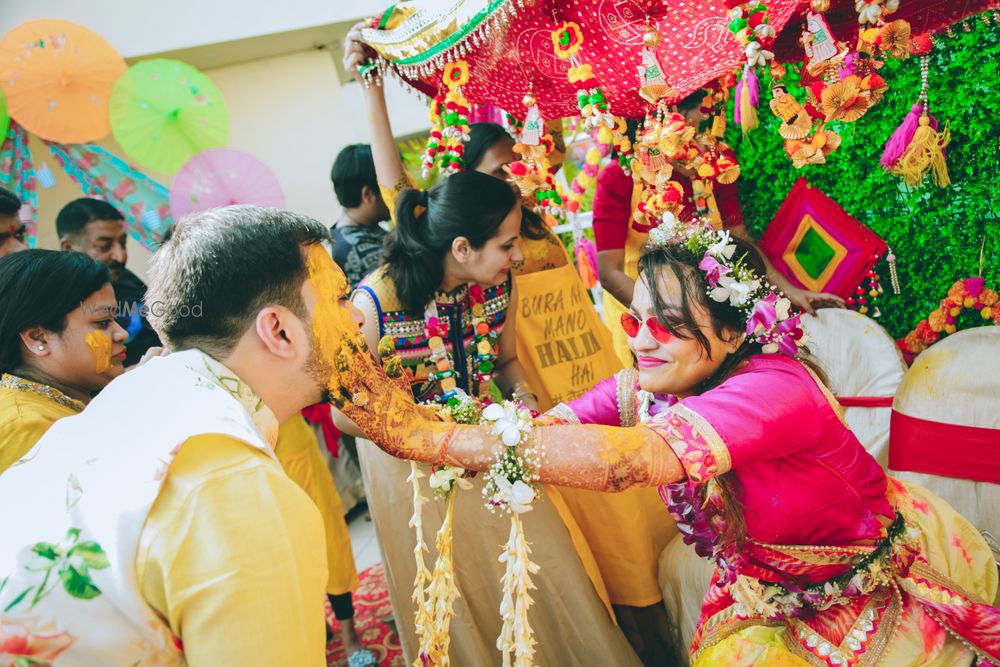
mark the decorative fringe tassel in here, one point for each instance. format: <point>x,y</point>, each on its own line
<point>925,152</point>
<point>736,107</point>
<point>893,274</point>
<point>749,95</point>
<point>586,262</point>
<point>901,138</point>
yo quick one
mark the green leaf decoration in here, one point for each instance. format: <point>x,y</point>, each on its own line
<point>15,601</point>
<point>78,584</point>
<point>46,550</point>
<point>92,554</point>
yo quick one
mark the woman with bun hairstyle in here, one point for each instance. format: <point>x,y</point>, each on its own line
<point>443,296</point>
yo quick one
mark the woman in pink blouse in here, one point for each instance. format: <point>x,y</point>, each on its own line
<point>820,558</point>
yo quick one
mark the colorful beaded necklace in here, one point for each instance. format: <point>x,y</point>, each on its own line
<point>440,360</point>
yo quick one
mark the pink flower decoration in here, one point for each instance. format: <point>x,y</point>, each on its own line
<point>788,333</point>
<point>763,316</point>
<point>975,286</point>
<point>713,269</point>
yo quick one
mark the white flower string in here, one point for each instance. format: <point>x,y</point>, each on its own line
<point>516,636</point>
<point>510,486</point>
<point>770,320</point>
<point>441,594</point>
<point>434,594</point>
<point>423,617</point>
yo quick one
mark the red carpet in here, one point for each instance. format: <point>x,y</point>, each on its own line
<point>371,606</point>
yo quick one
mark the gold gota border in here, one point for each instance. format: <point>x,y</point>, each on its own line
<point>426,34</point>
<point>831,399</point>
<point>17,383</point>
<point>625,395</point>
<point>873,650</point>
<point>723,459</point>
<point>726,628</point>
<point>940,580</point>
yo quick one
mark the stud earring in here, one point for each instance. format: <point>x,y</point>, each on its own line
<point>40,348</point>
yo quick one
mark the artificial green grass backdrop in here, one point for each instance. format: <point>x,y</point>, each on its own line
<point>936,233</point>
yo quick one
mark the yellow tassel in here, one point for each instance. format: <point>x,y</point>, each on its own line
<point>924,153</point>
<point>748,114</point>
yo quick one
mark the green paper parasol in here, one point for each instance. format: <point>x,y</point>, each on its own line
<point>4,117</point>
<point>163,112</point>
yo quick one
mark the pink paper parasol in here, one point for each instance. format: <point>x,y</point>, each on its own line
<point>223,177</point>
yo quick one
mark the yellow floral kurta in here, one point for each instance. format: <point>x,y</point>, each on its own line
<point>27,410</point>
<point>298,451</point>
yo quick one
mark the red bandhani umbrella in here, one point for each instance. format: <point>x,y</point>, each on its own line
<point>509,48</point>
<point>223,177</point>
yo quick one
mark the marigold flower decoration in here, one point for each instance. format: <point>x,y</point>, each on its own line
<point>449,114</point>
<point>567,40</point>
<point>456,74</point>
<point>968,294</point>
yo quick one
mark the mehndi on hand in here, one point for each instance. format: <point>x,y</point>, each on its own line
<point>378,399</point>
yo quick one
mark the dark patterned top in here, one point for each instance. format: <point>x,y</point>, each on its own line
<point>357,250</point>
<point>408,329</point>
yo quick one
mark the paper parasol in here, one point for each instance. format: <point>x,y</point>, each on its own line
<point>223,177</point>
<point>4,116</point>
<point>163,112</point>
<point>58,76</point>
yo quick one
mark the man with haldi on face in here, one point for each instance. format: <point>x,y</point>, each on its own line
<point>166,532</point>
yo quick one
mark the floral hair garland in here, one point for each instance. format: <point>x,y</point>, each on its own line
<point>770,320</point>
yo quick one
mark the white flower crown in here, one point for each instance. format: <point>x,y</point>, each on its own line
<point>770,320</point>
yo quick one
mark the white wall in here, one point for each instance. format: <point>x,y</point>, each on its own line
<point>289,111</point>
<point>139,27</point>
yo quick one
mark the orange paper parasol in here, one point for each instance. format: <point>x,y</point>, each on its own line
<point>58,77</point>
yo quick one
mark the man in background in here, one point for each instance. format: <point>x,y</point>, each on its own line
<point>12,230</point>
<point>357,236</point>
<point>97,228</point>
